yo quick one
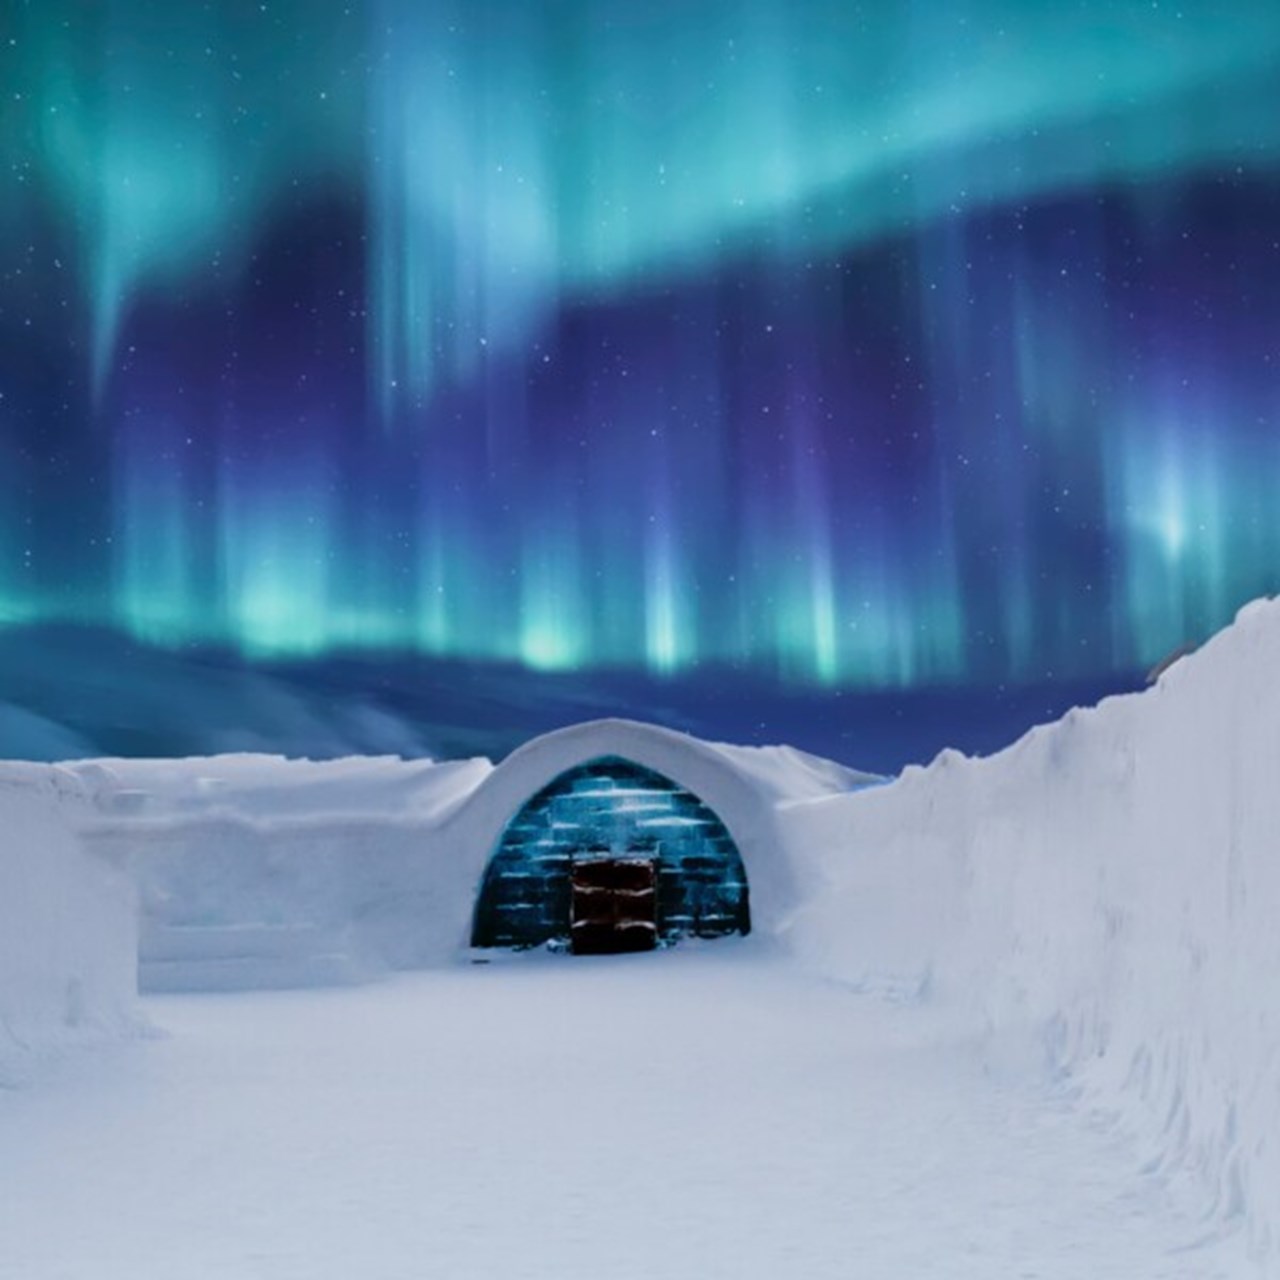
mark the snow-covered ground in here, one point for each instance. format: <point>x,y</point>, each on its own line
<point>699,1114</point>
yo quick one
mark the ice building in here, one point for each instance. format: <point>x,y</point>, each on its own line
<point>606,836</point>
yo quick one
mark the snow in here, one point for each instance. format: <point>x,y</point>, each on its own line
<point>261,871</point>
<point>257,786</point>
<point>712,1114</point>
<point>744,786</point>
<point>67,934</point>
<point>1008,1016</point>
<point>1102,901</point>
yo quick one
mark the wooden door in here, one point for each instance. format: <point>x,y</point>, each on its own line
<point>614,905</point>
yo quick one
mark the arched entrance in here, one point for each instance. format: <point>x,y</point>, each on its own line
<point>611,856</point>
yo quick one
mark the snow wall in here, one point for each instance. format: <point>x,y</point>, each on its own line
<point>256,871</point>
<point>1105,894</point>
<point>68,938</point>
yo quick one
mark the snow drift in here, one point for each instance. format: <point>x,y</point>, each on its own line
<point>1107,891</point>
<point>68,943</point>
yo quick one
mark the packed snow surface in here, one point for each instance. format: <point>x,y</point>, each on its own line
<point>711,1113</point>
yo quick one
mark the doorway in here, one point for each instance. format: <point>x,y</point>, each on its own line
<point>613,905</point>
<point>614,811</point>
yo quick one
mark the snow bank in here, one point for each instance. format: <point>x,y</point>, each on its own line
<point>259,871</point>
<point>68,941</point>
<point>251,785</point>
<point>1107,892</point>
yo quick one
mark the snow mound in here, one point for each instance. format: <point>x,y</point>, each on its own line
<point>68,944</point>
<point>785,775</point>
<point>1104,895</point>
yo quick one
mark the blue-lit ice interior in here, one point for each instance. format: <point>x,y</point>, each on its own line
<point>610,807</point>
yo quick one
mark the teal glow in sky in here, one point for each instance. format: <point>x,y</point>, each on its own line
<point>867,345</point>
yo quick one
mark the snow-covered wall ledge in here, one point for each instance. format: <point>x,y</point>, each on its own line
<point>258,871</point>
<point>68,936</point>
<point>1109,885</point>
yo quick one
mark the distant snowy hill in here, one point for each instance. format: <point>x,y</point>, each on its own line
<point>73,692</point>
<point>69,692</point>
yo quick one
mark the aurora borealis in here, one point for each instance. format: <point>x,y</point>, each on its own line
<point>865,346</point>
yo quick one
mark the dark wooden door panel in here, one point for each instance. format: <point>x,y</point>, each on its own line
<point>614,905</point>
<point>614,874</point>
<point>611,939</point>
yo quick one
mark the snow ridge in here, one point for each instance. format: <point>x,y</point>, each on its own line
<point>1104,894</point>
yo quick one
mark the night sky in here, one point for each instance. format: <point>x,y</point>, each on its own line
<point>874,347</point>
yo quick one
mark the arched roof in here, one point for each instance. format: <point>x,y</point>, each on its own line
<point>743,785</point>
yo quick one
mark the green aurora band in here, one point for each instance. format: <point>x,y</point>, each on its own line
<point>514,164</point>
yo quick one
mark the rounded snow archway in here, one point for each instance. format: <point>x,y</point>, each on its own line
<point>611,855</point>
<point>742,788</point>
